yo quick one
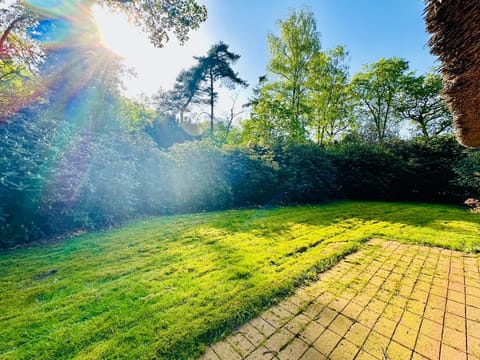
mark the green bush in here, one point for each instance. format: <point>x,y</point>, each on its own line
<point>429,169</point>
<point>25,144</point>
<point>306,174</point>
<point>251,176</point>
<point>199,177</point>
<point>367,171</point>
<point>468,175</point>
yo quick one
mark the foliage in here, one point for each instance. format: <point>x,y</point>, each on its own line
<point>20,56</point>
<point>78,156</point>
<point>93,181</point>
<point>305,94</point>
<point>199,178</point>
<point>420,102</point>
<point>166,287</point>
<point>468,174</point>
<point>429,169</point>
<point>159,17</point>
<point>367,171</point>
<point>376,88</point>
<point>330,101</point>
<point>306,174</point>
<point>185,92</point>
<point>292,53</point>
<point>166,132</point>
<point>197,84</point>
<point>280,104</point>
<point>248,172</point>
<point>25,147</point>
<point>19,53</point>
<point>215,66</point>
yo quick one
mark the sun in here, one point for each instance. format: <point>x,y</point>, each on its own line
<point>154,67</point>
<point>116,32</point>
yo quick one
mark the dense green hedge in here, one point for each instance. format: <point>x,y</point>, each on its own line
<point>55,179</point>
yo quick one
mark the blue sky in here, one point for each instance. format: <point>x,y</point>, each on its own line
<point>369,29</point>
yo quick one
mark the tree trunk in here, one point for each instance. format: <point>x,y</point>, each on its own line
<point>212,98</point>
<point>8,30</point>
<point>423,127</point>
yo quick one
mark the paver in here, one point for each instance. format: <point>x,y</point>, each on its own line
<point>431,329</point>
<point>376,344</point>
<point>312,332</point>
<point>241,344</point>
<point>327,342</point>
<point>341,325</point>
<point>397,351</point>
<point>388,300</point>
<point>293,350</point>
<point>261,353</point>
<point>252,334</point>
<point>357,334</point>
<point>427,347</point>
<point>225,351</point>
<point>279,340</point>
<point>449,353</point>
<point>313,354</point>
<point>297,324</point>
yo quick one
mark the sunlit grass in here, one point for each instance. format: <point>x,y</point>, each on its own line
<point>165,287</point>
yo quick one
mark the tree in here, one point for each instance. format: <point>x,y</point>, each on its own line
<point>268,122</point>
<point>420,102</point>
<point>25,28</point>
<point>186,92</point>
<point>217,65</point>
<point>376,90</point>
<point>157,18</point>
<point>19,58</point>
<point>292,52</point>
<point>330,102</point>
<point>160,17</point>
<point>19,54</point>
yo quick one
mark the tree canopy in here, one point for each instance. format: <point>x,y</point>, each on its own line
<point>160,17</point>
<point>421,103</point>
<point>376,88</point>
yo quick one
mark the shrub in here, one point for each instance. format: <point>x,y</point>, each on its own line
<point>199,177</point>
<point>25,144</point>
<point>367,171</point>
<point>306,174</point>
<point>467,172</point>
<point>251,176</point>
<point>429,169</point>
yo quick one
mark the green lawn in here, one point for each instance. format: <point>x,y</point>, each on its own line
<point>164,287</point>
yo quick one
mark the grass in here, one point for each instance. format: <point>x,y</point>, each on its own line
<point>163,288</point>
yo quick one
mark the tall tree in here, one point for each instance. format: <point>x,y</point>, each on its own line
<point>330,101</point>
<point>421,103</point>
<point>291,54</point>
<point>186,92</point>
<point>215,66</point>
<point>376,89</point>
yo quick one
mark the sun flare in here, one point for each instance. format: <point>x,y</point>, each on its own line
<point>155,67</point>
<point>116,32</point>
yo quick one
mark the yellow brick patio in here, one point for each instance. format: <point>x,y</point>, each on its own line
<point>387,301</point>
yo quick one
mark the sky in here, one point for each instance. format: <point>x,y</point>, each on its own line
<point>369,29</point>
